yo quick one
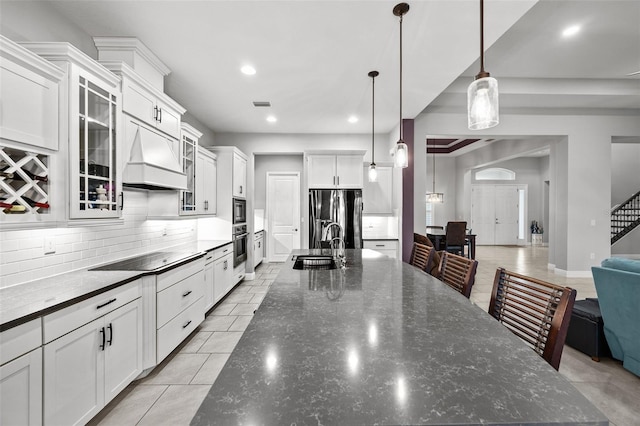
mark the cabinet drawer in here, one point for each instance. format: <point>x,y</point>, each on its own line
<point>173,276</point>
<point>381,244</point>
<point>176,330</point>
<point>258,235</point>
<point>74,316</point>
<point>20,340</point>
<point>173,300</point>
<point>222,251</point>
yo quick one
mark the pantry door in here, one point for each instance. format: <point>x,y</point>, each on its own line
<point>283,214</point>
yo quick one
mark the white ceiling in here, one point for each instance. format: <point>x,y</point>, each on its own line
<point>312,57</point>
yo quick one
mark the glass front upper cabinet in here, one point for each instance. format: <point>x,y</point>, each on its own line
<point>187,199</point>
<point>96,187</point>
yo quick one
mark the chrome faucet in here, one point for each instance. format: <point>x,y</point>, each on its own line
<point>325,234</point>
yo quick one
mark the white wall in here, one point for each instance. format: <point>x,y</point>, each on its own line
<point>582,148</point>
<point>273,163</point>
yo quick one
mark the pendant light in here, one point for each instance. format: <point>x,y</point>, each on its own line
<point>401,157</point>
<point>373,173</point>
<point>434,197</point>
<point>482,95</point>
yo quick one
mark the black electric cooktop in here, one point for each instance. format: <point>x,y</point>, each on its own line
<point>146,262</point>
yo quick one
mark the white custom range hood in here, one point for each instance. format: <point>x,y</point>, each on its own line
<point>152,164</point>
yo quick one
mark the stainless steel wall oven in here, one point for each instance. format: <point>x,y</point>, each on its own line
<point>239,211</point>
<point>240,243</point>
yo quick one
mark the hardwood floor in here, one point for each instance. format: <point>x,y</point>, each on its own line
<point>172,393</point>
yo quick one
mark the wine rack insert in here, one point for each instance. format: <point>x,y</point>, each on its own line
<point>24,182</point>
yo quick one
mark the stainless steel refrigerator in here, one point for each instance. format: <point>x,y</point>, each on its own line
<point>330,206</point>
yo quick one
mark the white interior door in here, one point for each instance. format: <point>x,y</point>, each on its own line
<point>495,214</point>
<point>483,216</point>
<point>506,202</point>
<point>283,214</point>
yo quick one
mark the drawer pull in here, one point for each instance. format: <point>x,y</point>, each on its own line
<point>225,250</point>
<point>106,303</point>
<point>187,324</point>
<point>379,245</point>
<point>103,338</point>
<point>186,294</point>
<point>110,327</point>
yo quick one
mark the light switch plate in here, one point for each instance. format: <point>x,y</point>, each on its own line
<point>49,245</point>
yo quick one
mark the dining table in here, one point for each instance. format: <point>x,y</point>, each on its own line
<point>378,341</point>
<point>439,239</point>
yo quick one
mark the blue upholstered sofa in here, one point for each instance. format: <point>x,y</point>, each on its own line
<point>618,286</point>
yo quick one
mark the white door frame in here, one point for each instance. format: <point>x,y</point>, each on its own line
<point>523,219</point>
<point>268,215</point>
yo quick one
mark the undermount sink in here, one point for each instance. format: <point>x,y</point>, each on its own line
<point>314,262</point>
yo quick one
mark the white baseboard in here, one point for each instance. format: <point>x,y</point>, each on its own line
<point>250,276</point>
<point>551,266</point>
<point>572,274</point>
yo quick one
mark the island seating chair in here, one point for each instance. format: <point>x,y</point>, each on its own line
<point>458,272</point>
<point>435,262</point>
<point>536,311</point>
<point>456,237</point>
<point>421,256</point>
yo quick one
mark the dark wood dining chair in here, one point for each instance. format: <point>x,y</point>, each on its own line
<point>421,256</point>
<point>435,260</point>
<point>458,272</point>
<point>456,237</point>
<point>536,311</point>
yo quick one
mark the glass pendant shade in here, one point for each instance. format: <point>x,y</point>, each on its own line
<point>401,157</point>
<point>435,197</point>
<point>482,103</point>
<point>373,173</point>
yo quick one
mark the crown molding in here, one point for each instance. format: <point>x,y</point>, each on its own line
<point>16,53</point>
<point>131,44</point>
<point>190,129</point>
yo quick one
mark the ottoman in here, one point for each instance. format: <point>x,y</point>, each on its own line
<point>586,329</point>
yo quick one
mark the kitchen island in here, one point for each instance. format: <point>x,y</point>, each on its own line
<point>381,342</point>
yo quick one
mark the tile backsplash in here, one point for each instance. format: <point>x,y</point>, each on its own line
<point>22,255</point>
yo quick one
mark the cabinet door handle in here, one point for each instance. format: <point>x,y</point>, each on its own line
<point>258,244</point>
<point>103,338</point>
<point>122,200</point>
<point>155,113</point>
<point>334,180</point>
<point>186,293</point>
<point>160,115</point>
<point>106,303</point>
<point>110,327</point>
<point>338,180</point>
<point>187,324</point>
<point>225,265</point>
<point>241,189</point>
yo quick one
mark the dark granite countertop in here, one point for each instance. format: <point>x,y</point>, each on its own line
<point>23,302</point>
<point>383,343</point>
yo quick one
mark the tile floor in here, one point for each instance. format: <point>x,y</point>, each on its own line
<point>173,391</point>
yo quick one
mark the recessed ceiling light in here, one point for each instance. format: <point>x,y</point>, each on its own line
<point>271,119</point>
<point>571,31</point>
<point>353,119</point>
<point>248,70</point>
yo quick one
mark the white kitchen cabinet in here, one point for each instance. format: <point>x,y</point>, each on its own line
<point>90,113</point>
<point>239,175</point>
<point>386,247</point>
<point>21,390</point>
<point>21,374</point>
<point>209,282</point>
<point>223,275</point>
<point>146,103</point>
<point>188,151</point>
<point>334,170</point>
<point>180,305</point>
<point>29,102</point>
<point>206,183</point>
<point>377,197</point>
<point>258,248</point>
<point>85,367</point>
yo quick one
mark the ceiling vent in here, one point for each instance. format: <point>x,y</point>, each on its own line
<point>261,104</point>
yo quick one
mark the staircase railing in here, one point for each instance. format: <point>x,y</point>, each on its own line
<point>625,217</point>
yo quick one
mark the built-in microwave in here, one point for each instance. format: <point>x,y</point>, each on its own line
<point>239,211</point>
